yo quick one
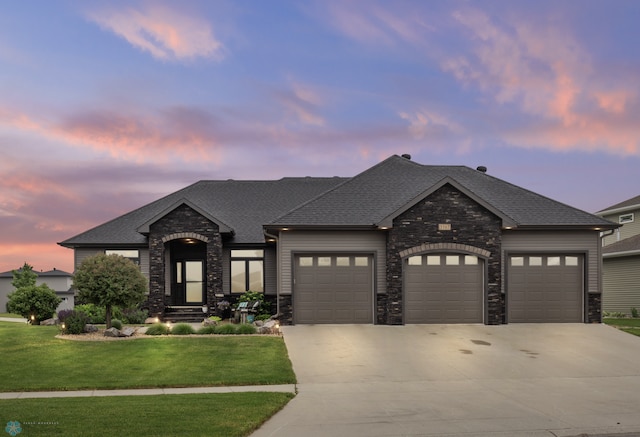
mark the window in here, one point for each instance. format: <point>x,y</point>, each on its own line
<point>324,261</point>
<point>247,270</point>
<point>470,260</point>
<point>571,261</point>
<point>535,261</point>
<point>306,261</point>
<point>433,260</point>
<point>517,261</point>
<point>553,261</point>
<point>362,261</point>
<point>415,261</point>
<point>452,260</point>
<point>626,218</point>
<point>342,261</point>
<point>132,254</point>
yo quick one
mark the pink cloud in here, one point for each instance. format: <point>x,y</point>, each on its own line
<point>303,102</point>
<point>167,34</point>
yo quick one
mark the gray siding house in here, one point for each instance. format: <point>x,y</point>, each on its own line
<point>621,258</point>
<point>58,280</point>
<point>399,243</point>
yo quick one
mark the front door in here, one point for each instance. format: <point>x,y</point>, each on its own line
<point>189,282</point>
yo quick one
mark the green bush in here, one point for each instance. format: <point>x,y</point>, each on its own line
<point>634,312</point>
<point>182,329</point>
<point>264,308</point>
<point>134,316</point>
<point>211,329</point>
<point>75,322</point>
<point>158,329</point>
<point>246,328</point>
<point>34,302</point>
<point>215,319</point>
<point>116,323</point>
<point>263,317</point>
<point>225,329</point>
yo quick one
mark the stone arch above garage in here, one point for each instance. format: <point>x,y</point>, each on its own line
<point>444,247</point>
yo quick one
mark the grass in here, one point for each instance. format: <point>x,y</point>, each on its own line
<point>10,315</point>
<point>625,322</point>
<point>34,360</point>
<point>630,325</point>
<point>228,414</point>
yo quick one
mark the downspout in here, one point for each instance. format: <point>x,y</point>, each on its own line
<point>603,235</point>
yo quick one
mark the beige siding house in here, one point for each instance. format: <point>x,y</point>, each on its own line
<point>399,243</point>
<point>621,258</point>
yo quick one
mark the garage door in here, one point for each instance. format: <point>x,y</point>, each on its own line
<point>444,288</point>
<point>333,289</point>
<point>545,288</point>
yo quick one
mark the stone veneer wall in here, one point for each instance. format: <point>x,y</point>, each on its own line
<point>183,220</point>
<point>471,224</point>
<point>594,308</point>
<point>285,316</point>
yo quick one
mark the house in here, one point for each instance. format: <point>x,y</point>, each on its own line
<point>399,243</point>
<point>621,258</point>
<point>58,280</point>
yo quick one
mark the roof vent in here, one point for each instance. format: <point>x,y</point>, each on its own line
<point>407,156</point>
<point>482,169</point>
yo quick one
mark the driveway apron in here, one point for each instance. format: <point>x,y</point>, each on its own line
<point>461,380</point>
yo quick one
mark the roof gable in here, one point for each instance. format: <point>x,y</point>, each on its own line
<point>144,227</point>
<point>627,205</point>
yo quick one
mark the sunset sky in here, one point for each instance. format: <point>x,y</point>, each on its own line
<point>106,106</point>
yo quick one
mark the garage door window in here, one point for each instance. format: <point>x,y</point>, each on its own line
<point>453,260</point>
<point>362,261</point>
<point>433,260</point>
<point>571,261</point>
<point>470,260</point>
<point>553,261</point>
<point>415,261</point>
<point>535,261</point>
<point>342,261</point>
<point>324,261</point>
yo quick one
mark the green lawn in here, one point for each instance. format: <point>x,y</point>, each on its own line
<point>10,315</point>
<point>232,414</point>
<point>34,360</point>
<point>630,325</point>
<point>626,322</point>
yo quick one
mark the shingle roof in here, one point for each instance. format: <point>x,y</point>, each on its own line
<point>629,203</point>
<point>374,195</point>
<point>243,205</point>
<point>631,244</point>
<point>367,199</point>
<point>54,272</point>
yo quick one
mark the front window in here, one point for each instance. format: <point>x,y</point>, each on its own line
<point>626,218</point>
<point>247,270</point>
<point>132,254</point>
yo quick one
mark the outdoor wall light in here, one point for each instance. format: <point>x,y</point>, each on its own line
<point>205,309</point>
<point>157,319</point>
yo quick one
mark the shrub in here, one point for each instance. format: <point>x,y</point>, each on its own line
<point>215,319</point>
<point>634,312</point>
<point>182,329</point>
<point>263,317</point>
<point>63,314</point>
<point>93,312</point>
<point>34,302</point>
<point>133,316</point>
<point>158,329</point>
<point>75,323</point>
<point>252,296</point>
<point>116,323</point>
<point>246,328</point>
<point>227,329</point>
<point>211,329</point>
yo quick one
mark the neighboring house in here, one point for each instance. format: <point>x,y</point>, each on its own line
<point>57,280</point>
<point>621,258</point>
<point>399,243</point>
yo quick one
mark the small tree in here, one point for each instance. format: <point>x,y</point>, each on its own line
<point>24,276</point>
<point>110,280</point>
<point>35,303</point>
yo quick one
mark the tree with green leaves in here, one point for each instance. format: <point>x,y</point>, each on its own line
<point>33,302</point>
<point>108,281</point>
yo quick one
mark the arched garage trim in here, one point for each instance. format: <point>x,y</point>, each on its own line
<point>181,235</point>
<point>445,247</point>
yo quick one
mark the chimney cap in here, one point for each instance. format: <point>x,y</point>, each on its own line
<point>406,156</point>
<point>482,168</point>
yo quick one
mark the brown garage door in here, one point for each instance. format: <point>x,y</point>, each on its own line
<point>443,288</point>
<point>545,288</point>
<point>332,288</point>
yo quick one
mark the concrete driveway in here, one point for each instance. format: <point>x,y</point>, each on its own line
<point>463,380</point>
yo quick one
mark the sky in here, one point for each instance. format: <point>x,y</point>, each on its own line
<point>106,106</point>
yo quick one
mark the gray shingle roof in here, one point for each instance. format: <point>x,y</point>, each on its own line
<point>366,200</point>
<point>631,244</point>
<point>379,192</point>
<point>242,205</point>
<point>629,203</point>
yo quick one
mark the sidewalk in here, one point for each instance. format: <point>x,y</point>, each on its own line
<point>286,388</point>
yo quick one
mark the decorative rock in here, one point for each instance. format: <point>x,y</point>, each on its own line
<point>127,332</point>
<point>88,328</point>
<point>269,327</point>
<point>259,323</point>
<point>112,332</point>
<point>209,322</point>
<point>49,322</point>
<point>150,320</point>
